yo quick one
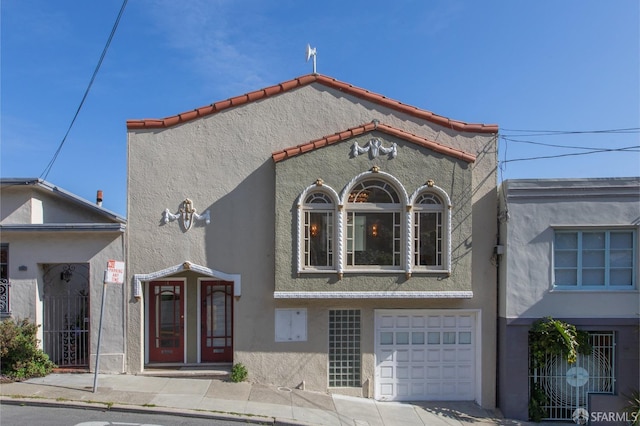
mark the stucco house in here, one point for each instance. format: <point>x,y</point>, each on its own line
<point>324,236</point>
<point>569,250</point>
<point>54,249</point>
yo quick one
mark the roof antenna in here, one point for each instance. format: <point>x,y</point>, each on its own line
<point>311,52</point>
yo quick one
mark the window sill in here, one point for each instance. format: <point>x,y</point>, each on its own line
<point>592,290</point>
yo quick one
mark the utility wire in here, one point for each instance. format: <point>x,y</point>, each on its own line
<point>571,132</point>
<point>47,169</point>
<point>552,145</point>
<point>625,149</point>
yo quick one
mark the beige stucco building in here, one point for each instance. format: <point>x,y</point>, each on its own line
<point>320,234</point>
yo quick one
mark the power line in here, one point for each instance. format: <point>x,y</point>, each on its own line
<point>635,148</point>
<point>552,145</point>
<point>571,132</point>
<point>47,169</point>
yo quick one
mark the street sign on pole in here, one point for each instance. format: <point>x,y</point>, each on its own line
<point>114,274</point>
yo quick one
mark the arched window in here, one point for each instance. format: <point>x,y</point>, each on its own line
<point>431,240</point>
<point>318,231</point>
<point>374,225</point>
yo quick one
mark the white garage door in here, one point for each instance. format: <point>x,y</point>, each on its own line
<point>424,355</point>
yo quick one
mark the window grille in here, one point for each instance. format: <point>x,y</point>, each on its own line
<point>567,386</point>
<point>344,348</point>
<point>5,306</point>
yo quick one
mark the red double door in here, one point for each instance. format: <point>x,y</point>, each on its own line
<point>167,321</point>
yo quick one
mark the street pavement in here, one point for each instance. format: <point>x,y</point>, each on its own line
<point>249,402</point>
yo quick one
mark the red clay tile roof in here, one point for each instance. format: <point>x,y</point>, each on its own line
<point>303,81</point>
<point>355,131</point>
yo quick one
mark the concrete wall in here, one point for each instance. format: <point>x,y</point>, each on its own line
<point>223,163</point>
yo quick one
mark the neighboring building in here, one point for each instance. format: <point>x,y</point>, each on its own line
<point>54,250</point>
<point>570,251</point>
<point>320,234</point>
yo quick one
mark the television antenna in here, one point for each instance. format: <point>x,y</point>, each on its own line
<point>311,51</point>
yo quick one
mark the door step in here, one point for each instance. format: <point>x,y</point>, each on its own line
<point>207,371</point>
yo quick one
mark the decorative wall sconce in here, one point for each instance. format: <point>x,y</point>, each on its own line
<point>187,215</point>
<point>314,230</point>
<point>374,230</point>
<point>67,273</point>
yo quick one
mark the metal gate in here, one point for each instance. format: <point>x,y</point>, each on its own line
<point>567,386</point>
<point>66,315</point>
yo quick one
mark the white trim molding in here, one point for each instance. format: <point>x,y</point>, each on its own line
<point>464,294</point>
<point>138,279</point>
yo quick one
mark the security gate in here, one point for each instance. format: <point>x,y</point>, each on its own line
<point>66,315</point>
<point>567,386</point>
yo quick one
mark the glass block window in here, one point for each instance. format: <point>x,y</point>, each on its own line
<point>344,348</point>
<point>594,259</point>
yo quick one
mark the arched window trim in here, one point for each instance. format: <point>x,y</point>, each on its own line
<point>446,214</point>
<point>302,208</point>
<point>402,207</point>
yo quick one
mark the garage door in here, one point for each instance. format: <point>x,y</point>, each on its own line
<point>424,355</point>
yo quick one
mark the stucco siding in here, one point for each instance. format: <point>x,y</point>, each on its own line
<point>223,164</point>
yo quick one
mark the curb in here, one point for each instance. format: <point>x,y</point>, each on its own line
<point>100,406</point>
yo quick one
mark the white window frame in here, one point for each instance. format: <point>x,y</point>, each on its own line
<point>400,209</point>
<point>303,209</point>
<point>445,210</point>
<point>405,210</point>
<point>579,231</point>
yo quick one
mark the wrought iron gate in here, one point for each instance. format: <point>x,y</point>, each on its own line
<point>66,316</point>
<point>567,386</point>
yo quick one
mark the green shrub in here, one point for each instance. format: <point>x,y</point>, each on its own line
<point>549,336</point>
<point>632,408</point>
<point>20,357</point>
<point>238,373</point>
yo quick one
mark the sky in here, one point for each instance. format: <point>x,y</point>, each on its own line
<point>559,77</point>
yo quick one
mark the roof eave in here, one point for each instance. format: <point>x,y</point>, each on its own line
<point>154,123</point>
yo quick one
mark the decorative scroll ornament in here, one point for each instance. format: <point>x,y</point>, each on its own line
<point>374,148</point>
<point>187,214</point>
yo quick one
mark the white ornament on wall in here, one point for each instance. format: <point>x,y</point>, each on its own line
<point>374,148</point>
<point>187,215</point>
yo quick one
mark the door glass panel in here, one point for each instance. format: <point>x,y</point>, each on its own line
<point>167,317</point>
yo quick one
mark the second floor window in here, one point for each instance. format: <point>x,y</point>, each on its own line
<point>318,231</point>
<point>595,259</point>
<point>373,225</point>
<point>429,250</point>
<point>374,230</point>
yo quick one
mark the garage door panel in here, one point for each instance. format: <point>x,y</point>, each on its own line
<point>424,356</point>
<point>418,355</point>
<point>386,372</point>
<point>402,355</point>
<point>465,355</point>
<point>449,355</point>
<point>434,355</point>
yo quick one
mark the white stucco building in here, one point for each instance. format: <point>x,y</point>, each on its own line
<point>54,249</point>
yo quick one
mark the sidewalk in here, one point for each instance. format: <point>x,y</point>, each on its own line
<point>252,403</point>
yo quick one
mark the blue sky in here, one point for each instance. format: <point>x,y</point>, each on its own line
<point>571,65</point>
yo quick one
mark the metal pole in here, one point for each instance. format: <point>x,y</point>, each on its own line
<point>104,296</point>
